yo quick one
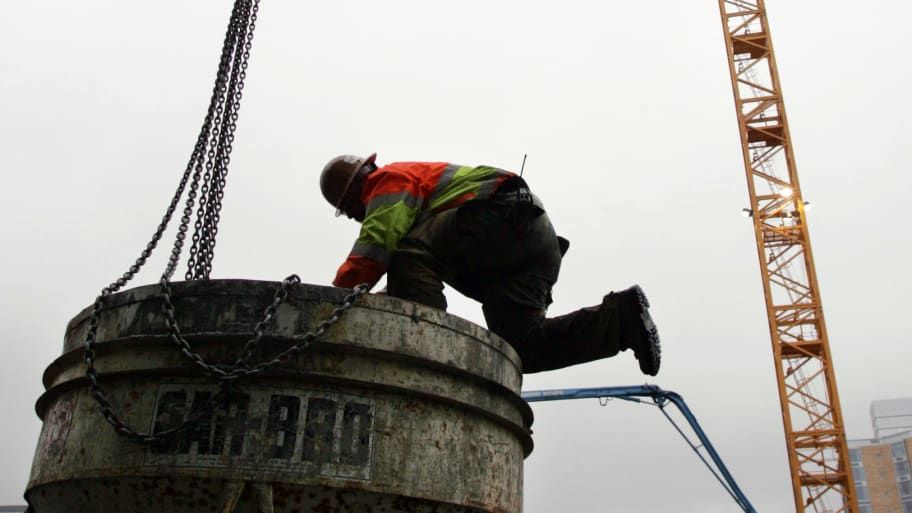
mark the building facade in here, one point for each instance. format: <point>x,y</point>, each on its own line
<point>880,466</point>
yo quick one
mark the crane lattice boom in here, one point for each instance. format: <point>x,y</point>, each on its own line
<point>814,430</point>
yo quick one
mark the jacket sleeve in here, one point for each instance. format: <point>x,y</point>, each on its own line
<point>393,202</point>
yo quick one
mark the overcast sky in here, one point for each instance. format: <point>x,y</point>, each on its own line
<point>625,110</point>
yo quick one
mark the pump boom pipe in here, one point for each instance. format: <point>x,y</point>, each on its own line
<point>660,397</point>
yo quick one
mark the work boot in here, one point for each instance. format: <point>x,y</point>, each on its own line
<point>638,332</point>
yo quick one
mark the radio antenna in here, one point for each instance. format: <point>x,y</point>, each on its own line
<point>523,165</point>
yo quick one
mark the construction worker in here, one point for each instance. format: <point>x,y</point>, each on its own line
<point>481,231</point>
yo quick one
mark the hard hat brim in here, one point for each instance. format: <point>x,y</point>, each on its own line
<point>369,160</point>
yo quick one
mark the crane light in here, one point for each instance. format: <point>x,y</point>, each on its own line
<point>786,192</point>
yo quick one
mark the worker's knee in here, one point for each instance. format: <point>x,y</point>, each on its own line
<point>410,277</point>
<point>513,323</point>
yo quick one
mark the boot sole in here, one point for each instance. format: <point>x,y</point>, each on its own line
<point>650,357</point>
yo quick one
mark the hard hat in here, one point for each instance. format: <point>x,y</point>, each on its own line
<point>338,175</point>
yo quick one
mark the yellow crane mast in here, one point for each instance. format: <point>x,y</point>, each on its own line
<point>814,430</point>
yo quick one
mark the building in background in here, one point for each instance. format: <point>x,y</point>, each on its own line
<point>880,466</point>
<point>891,416</point>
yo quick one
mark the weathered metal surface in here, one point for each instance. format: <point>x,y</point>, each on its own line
<point>401,408</point>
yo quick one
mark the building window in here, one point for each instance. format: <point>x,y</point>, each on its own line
<point>905,488</point>
<point>898,449</point>
<point>907,506</point>
<point>858,473</point>
<point>855,455</point>
<point>902,468</point>
<point>862,493</point>
<point>864,508</point>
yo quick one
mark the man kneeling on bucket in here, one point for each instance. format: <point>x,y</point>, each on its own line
<point>481,231</point>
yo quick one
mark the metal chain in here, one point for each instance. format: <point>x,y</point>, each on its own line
<point>221,142</point>
<point>194,168</point>
<point>260,327</point>
<point>107,410</point>
<point>234,107</point>
<point>241,367</point>
<point>200,155</point>
<point>224,375</point>
<point>216,109</point>
<point>215,117</point>
<point>223,149</point>
<point>206,173</point>
<point>224,99</point>
<point>218,372</point>
<point>303,340</point>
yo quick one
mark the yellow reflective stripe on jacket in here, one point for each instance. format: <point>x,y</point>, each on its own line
<point>449,172</point>
<point>388,219</point>
<point>458,182</point>
<point>409,199</point>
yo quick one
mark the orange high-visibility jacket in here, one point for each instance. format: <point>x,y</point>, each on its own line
<point>399,194</point>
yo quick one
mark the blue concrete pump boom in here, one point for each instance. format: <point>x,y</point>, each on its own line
<point>661,398</point>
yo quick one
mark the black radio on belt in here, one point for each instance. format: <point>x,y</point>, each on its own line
<point>514,189</point>
<point>522,195</point>
<point>524,206</point>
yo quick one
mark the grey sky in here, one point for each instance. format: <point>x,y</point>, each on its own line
<point>625,110</point>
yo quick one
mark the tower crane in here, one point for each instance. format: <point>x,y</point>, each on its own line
<point>814,430</point>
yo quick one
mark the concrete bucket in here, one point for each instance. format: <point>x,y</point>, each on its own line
<point>398,408</point>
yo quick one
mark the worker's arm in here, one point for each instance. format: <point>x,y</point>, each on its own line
<point>393,201</point>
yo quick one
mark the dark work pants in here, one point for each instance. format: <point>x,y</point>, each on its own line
<point>509,264</point>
